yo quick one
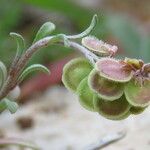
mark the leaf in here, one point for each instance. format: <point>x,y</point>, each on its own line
<point>3,74</point>
<point>35,67</point>
<point>87,31</point>
<point>46,29</point>
<point>20,43</point>
<point>113,110</point>
<point>105,89</point>
<point>137,95</point>
<point>85,95</point>
<point>8,104</point>
<point>74,72</point>
<point>113,70</point>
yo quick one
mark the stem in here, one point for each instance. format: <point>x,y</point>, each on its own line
<point>17,142</point>
<point>11,81</point>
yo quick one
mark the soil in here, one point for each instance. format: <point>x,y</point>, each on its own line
<point>56,121</point>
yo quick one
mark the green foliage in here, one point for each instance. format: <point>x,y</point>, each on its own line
<point>20,43</point>
<point>35,67</point>
<point>9,105</point>
<point>45,30</point>
<point>85,95</point>
<point>3,74</point>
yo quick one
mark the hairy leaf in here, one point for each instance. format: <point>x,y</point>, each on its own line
<point>8,104</point>
<point>105,89</point>
<point>3,74</point>
<point>114,70</point>
<point>20,43</point>
<point>35,67</point>
<point>85,95</point>
<point>46,29</point>
<point>113,110</point>
<point>137,95</point>
<point>75,71</point>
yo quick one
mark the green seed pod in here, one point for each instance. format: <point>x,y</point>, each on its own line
<point>105,89</point>
<point>85,95</point>
<point>75,71</point>
<point>113,70</point>
<point>113,110</point>
<point>137,95</point>
<point>136,110</point>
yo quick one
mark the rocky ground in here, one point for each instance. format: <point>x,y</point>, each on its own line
<point>56,121</point>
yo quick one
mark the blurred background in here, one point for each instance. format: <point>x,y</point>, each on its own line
<point>49,115</point>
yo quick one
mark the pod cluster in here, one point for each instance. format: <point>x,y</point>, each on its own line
<point>113,88</point>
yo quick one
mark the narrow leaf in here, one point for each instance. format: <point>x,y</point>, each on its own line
<point>87,31</point>
<point>2,106</point>
<point>44,31</point>
<point>35,67</point>
<point>11,105</point>
<point>20,43</point>
<point>3,74</point>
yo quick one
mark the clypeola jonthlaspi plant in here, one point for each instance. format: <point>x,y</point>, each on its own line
<point>113,88</point>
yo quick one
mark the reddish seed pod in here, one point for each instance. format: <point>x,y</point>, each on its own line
<point>113,70</point>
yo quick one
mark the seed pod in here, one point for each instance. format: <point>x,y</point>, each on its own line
<point>136,110</point>
<point>85,95</point>
<point>105,89</point>
<point>114,70</point>
<point>74,72</point>
<point>113,110</point>
<point>137,95</point>
<point>98,47</point>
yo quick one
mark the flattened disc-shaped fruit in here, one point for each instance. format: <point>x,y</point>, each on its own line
<point>74,72</point>
<point>136,110</point>
<point>85,95</point>
<point>95,45</point>
<point>137,95</point>
<point>113,110</point>
<point>105,89</point>
<point>113,70</point>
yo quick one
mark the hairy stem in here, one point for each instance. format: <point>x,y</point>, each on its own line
<point>14,73</point>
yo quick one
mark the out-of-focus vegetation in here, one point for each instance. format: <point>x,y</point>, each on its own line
<point>26,16</point>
